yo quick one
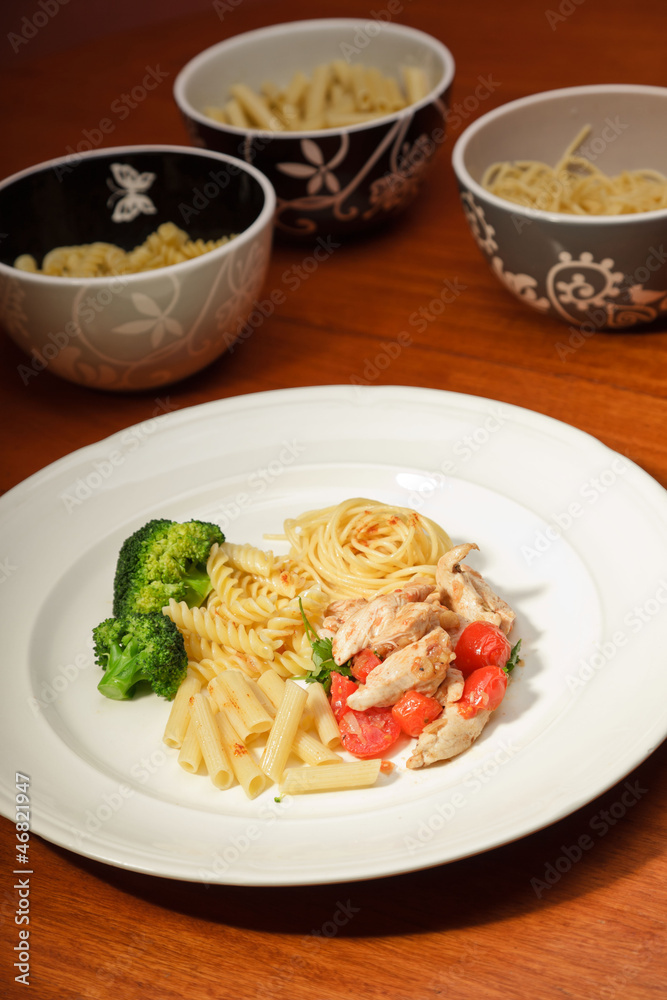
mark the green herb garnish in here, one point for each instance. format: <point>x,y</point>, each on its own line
<point>514,658</point>
<point>322,657</point>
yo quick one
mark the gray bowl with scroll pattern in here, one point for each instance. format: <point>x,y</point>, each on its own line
<point>333,181</point>
<point>134,331</point>
<point>592,272</point>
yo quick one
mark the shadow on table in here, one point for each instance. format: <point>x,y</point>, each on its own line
<point>603,841</point>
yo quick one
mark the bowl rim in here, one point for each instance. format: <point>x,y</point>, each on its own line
<point>461,171</point>
<point>284,27</point>
<point>61,281</point>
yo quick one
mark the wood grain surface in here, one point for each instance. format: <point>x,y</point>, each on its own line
<point>479,927</point>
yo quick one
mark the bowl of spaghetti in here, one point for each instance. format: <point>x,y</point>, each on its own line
<point>132,267</point>
<point>565,193</point>
<point>343,115</point>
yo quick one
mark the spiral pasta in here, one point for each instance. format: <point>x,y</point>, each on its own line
<point>248,559</point>
<point>167,245</point>
<point>212,626</point>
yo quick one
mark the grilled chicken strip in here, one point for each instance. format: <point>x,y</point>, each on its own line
<point>421,666</point>
<point>360,629</point>
<point>465,591</point>
<point>410,623</point>
<point>450,734</point>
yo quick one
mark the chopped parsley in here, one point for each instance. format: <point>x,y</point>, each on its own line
<point>322,657</point>
<point>514,658</point>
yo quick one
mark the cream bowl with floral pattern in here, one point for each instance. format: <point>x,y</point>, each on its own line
<point>593,272</point>
<point>329,182</point>
<point>138,330</point>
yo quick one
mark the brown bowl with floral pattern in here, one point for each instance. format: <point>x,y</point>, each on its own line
<point>331,181</point>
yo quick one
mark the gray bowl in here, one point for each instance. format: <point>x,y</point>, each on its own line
<point>334,181</point>
<point>133,331</point>
<point>592,272</point>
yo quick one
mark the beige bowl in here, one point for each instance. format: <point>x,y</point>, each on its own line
<point>134,331</point>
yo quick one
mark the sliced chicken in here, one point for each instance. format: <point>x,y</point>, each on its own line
<point>450,734</point>
<point>455,625</point>
<point>361,628</point>
<point>465,591</point>
<point>421,666</point>
<point>410,623</point>
<point>337,613</point>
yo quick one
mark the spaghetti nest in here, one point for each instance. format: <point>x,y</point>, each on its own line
<point>363,547</point>
<point>576,186</point>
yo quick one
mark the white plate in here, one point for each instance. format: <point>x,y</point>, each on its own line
<point>572,534</point>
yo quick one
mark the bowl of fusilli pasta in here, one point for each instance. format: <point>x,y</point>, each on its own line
<point>132,267</point>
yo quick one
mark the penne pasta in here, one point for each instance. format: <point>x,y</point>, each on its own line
<point>312,751</point>
<point>225,704</point>
<point>210,741</point>
<point>189,756</point>
<point>323,717</point>
<point>315,95</point>
<point>256,109</point>
<point>334,89</point>
<point>179,716</point>
<point>362,95</point>
<point>239,693</point>
<point>357,774</point>
<point>415,83</point>
<point>283,731</point>
<point>247,773</point>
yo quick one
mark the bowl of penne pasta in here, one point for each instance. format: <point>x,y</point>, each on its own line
<point>565,193</point>
<point>132,267</point>
<point>342,115</point>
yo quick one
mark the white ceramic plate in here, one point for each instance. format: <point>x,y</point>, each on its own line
<point>549,507</point>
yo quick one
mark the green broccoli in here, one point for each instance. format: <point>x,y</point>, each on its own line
<point>134,648</point>
<point>161,560</point>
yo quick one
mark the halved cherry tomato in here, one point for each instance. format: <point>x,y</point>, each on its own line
<point>369,733</point>
<point>341,688</point>
<point>414,710</point>
<point>484,688</point>
<point>363,663</point>
<point>481,644</point>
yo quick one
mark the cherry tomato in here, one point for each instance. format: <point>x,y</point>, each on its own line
<point>484,688</point>
<point>363,663</point>
<point>481,644</point>
<point>414,710</point>
<point>341,688</point>
<point>369,733</point>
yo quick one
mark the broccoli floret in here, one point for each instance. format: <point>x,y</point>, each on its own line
<point>161,560</point>
<point>134,648</point>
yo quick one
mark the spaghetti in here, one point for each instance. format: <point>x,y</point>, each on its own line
<point>363,547</point>
<point>575,186</point>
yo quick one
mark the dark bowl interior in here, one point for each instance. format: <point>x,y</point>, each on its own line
<point>72,201</point>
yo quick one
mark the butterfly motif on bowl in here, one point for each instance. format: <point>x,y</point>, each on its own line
<point>129,193</point>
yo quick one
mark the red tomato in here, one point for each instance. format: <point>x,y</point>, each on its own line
<point>481,644</point>
<point>369,733</point>
<point>363,663</point>
<point>484,688</point>
<point>414,710</point>
<point>341,688</point>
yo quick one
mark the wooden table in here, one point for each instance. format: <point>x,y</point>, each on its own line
<point>477,927</point>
